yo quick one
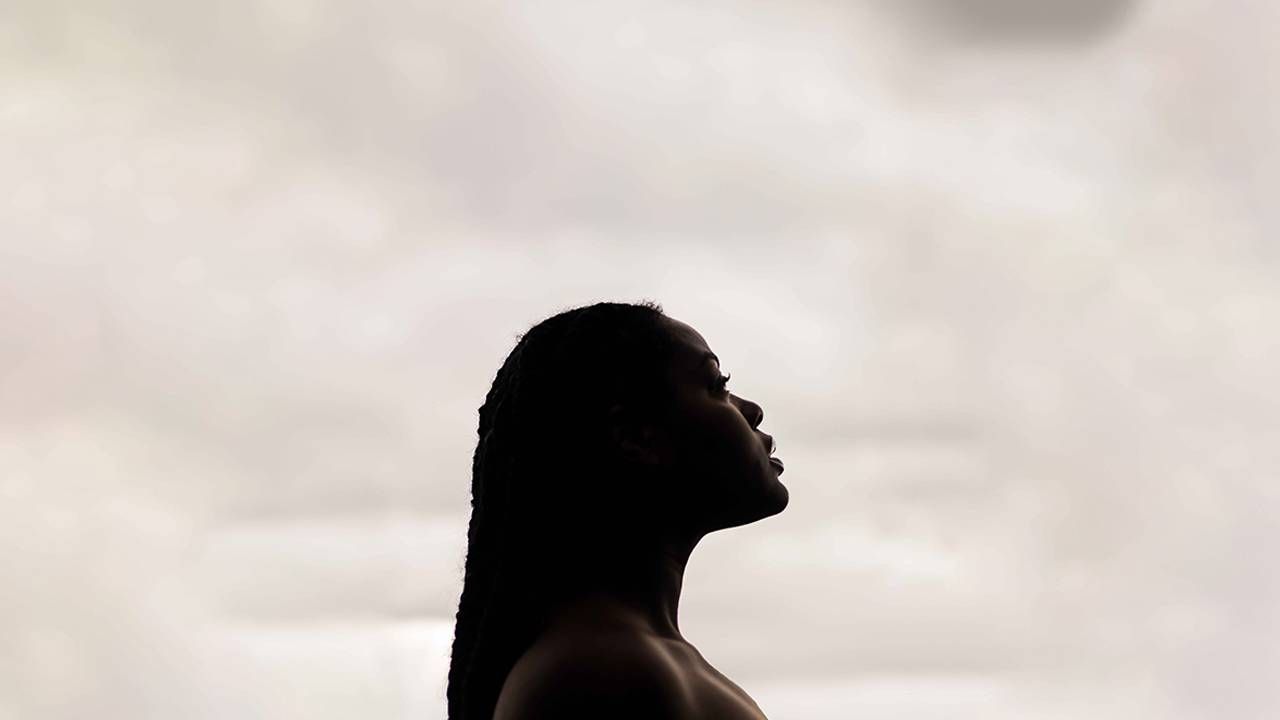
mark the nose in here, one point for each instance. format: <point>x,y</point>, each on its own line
<point>751,411</point>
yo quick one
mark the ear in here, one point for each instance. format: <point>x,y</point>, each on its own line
<point>633,439</point>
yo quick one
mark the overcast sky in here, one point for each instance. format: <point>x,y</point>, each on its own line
<point>1004,276</point>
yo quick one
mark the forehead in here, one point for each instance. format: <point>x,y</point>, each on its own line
<point>690,349</point>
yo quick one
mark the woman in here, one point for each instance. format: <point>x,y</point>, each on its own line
<point>609,446</point>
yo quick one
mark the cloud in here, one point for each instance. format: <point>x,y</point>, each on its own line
<point>1011,317</point>
<point>1018,21</point>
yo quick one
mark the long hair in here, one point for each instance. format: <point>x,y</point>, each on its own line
<point>539,472</point>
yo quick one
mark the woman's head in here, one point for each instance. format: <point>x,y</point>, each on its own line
<point>616,412</point>
<point>605,423</point>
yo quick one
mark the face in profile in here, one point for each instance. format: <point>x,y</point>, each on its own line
<point>713,462</point>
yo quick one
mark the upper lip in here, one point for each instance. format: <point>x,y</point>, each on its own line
<point>769,445</point>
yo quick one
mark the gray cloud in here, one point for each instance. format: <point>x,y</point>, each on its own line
<point>1036,21</point>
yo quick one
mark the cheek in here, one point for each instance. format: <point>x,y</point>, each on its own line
<point>717,445</point>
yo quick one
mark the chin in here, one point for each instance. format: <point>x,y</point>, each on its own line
<point>782,497</point>
<point>772,502</point>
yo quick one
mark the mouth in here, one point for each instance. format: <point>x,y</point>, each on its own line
<point>778,464</point>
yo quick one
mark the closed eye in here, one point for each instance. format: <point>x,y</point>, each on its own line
<point>722,382</point>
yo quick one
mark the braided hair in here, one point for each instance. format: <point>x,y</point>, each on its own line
<point>540,471</point>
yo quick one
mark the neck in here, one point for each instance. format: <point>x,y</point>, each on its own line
<point>635,583</point>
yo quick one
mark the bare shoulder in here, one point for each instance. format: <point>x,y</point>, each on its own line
<point>615,674</point>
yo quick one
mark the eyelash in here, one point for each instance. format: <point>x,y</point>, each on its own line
<point>723,382</point>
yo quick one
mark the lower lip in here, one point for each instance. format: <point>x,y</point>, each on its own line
<point>777,463</point>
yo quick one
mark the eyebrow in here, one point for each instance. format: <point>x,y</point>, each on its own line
<point>703,358</point>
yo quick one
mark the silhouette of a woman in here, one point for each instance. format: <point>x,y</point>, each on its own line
<point>609,445</point>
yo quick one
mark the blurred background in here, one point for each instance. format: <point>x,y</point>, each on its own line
<point>1003,275</point>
